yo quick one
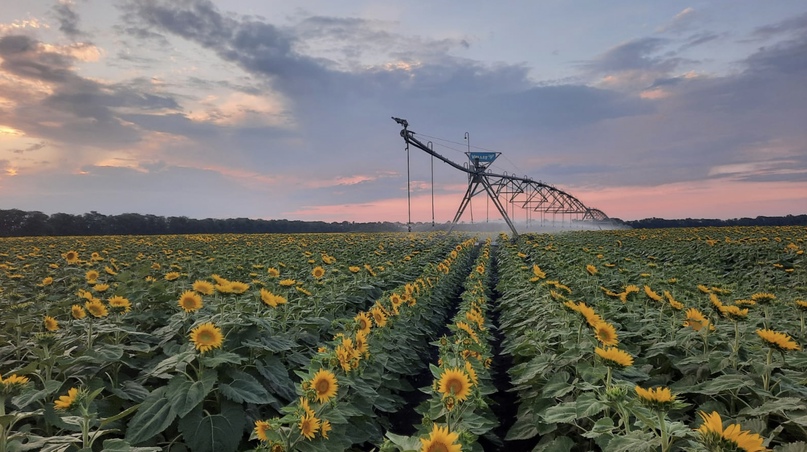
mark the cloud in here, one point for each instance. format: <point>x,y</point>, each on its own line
<point>31,148</point>
<point>68,19</point>
<point>681,22</point>
<point>794,25</point>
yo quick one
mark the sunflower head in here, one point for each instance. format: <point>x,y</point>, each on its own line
<point>777,340</point>
<point>206,337</point>
<point>262,429</point>
<point>51,324</point>
<point>325,385</point>
<point>454,382</point>
<point>606,334</point>
<point>614,357</point>
<point>91,276</point>
<point>69,401</point>
<point>12,384</point>
<point>203,287</point>
<point>96,308</point>
<point>318,272</point>
<point>363,322</point>
<point>71,257</point>
<point>190,301</point>
<point>309,425</point>
<point>78,312</point>
<point>440,439</point>
<point>120,303</point>
<point>659,398</point>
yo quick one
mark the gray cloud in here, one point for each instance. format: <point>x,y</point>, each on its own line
<point>68,19</point>
<point>31,148</point>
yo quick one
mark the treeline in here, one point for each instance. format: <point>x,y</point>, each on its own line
<point>788,220</point>
<point>18,223</point>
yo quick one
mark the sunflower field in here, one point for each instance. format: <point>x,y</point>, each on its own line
<point>674,339</point>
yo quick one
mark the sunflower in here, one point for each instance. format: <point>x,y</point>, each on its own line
<point>614,357</point>
<point>273,272</point>
<point>777,340</point>
<point>469,369</point>
<point>440,440</point>
<point>657,398</point>
<point>715,437</point>
<point>47,281</point>
<point>12,383</point>
<point>303,291</point>
<point>354,269</point>
<point>110,271</point>
<point>100,287</point>
<point>763,297</point>
<point>363,321</point>
<point>261,430</point>
<point>309,426</point>
<point>71,257</point>
<point>324,428</point>
<point>121,303</point>
<point>271,299</point>
<point>203,287</point>
<point>605,333</point>
<point>171,276</point>
<point>454,382</point>
<point>51,324</point>
<point>78,312</point>
<point>304,403</point>
<point>325,384</point>
<point>733,312</point>
<point>592,270</point>
<point>190,301</point>
<point>91,276</point>
<point>652,294</point>
<point>96,308</point>
<point>695,319</point>
<point>318,272</point>
<point>206,337</point>
<point>379,317</point>
<point>287,282</point>
<point>238,287</point>
<point>66,402</point>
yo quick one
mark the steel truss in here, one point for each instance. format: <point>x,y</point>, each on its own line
<point>523,192</point>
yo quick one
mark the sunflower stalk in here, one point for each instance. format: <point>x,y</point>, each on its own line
<point>766,375</point>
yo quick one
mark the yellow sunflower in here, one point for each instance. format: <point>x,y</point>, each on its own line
<point>91,276</point>
<point>658,398</point>
<point>714,436</point>
<point>379,317</point>
<point>614,357</point>
<point>238,287</point>
<point>190,301</point>
<point>324,428</point>
<point>318,272</point>
<point>606,333</point>
<point>592,270</point>
<point>66,402</point>
<point>171,276</point>
<point>96,308</point>
<point>203,287</point>
<point>695,319</point>
<point>454,382</point>
<point>71,257</point>
<point>206,337</point>
<point>47,281</point>
<point>440,440</point>
<point>325,384</point>
<point>120,303</point>
<point>746,441</point>
<point>261,430</point>
<point>273,272</point>
<point>287,282</point>
<point>354,269</point>
<point>309,426</point>
<point>12,384</point>
<point>777,340</point>
<point>363,321</point>
<point>51,324</point>
<point>763,297</point>
<point>271,299</point>
<point>78,312</point>
<point>100,287</point>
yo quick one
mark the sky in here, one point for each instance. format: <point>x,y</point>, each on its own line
<point>281,110</point>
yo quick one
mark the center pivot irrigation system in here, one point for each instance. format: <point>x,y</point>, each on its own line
<point>518,191</point>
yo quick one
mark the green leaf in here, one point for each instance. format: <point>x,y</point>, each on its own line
<point>276,374</point>
<point>185,394</point>
<point>558,385</point>
<point>214,361</point>
<point>119,445</point>
<point>775,406</point>
<point>635,441</point>
<point>587,404</point>
<point>220,432</point>
<point>245,388</point>
<point>31,395</point>
<point>565,412</point>
<point>723,383</point>
<point>559,444</point>
<point>154,415</point>
<point>405,443</point>
<point>120,415</point>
